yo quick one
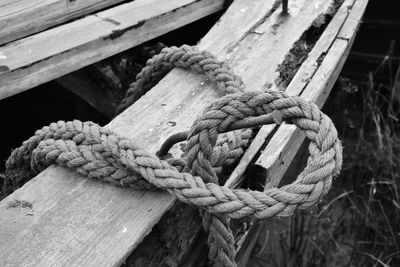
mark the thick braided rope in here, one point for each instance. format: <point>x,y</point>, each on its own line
<point>19,170</point>
<point>216,119</point>
<point>187,57</point>
<point>203,62</point>
<point>228,149</point>
<point>325,149</point>
<point>323,164</point>
<point>103,150</point>
<point>89,169</point>
<point>315,180</point>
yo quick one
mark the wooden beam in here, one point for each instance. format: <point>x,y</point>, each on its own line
<point>81,222</point>
<point>303,76</point>
<point>313,82</point>
<point>25,17</point>
<point>50,54</point>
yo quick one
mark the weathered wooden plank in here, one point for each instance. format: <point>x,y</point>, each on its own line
<point>53,230</point>
<point>82,240</point>
<point>50,54</point>
<point>279,152</point>
<point>25,17</point>
<point>296,86</point>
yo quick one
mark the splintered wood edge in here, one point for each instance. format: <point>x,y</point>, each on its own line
<point>302,77</point>
<point>19,19</point>
<point>279,152</point>
<point>48,55</point>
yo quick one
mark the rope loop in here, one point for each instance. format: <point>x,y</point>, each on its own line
<point>96,152</point>
<point>324,162</point>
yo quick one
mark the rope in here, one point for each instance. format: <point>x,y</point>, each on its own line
<point>186,57</point>
<point>226,152</point>
<point>93,151</point>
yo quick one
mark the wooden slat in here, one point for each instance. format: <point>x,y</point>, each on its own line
<point>301,79</point>
<point>87,223</point>
<point>20,18</point>
<point>313,82</point>
<point>50,54</point>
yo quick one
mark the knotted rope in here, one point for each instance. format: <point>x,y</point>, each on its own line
<point>93,151</point>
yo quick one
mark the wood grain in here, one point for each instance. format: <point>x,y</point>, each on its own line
<point>20,18</point>
<point>296,86</point>
<point>50,54</point>
<point>313,82</point>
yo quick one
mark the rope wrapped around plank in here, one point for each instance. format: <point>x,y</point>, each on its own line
<point>96,152</point>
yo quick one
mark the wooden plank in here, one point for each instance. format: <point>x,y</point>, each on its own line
<point>25,17</point>
<point>50,54</point>
<point>298,83</point>
<point>82,239</point>
<point>53,230</point>
<point>279,152</point>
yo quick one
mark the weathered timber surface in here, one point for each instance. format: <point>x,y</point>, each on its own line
<point>50,54</point>
<point>303,76</point>
<point>106,239</point>
<point>20,18</point>
<point>313,82</point>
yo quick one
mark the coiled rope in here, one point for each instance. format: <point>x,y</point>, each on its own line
<point>96,152</point>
